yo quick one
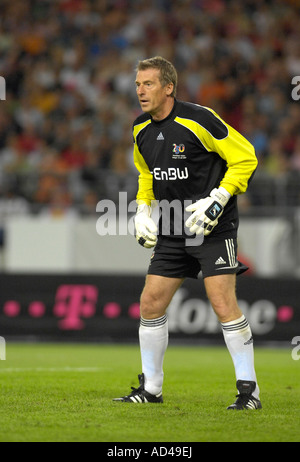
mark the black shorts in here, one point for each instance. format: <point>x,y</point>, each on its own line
<point>213,257</point>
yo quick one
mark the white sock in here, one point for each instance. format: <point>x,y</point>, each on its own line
<point>239,341</point>
<point>153,336</point>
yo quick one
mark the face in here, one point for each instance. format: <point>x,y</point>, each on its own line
<point>153,97</point>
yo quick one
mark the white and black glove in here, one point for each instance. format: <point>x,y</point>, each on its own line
<point>207,212</point>
<point>145,227</point>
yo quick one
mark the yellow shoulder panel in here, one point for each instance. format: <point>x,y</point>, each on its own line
<point>237,152</point>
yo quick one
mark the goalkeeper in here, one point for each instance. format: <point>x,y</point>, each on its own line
<point>188,156</point>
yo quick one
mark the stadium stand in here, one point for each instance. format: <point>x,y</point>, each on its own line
<point>65,127</point>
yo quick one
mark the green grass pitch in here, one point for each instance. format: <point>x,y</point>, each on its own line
<point>63,393</point>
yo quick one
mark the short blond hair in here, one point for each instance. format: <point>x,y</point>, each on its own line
<point>168,72</point>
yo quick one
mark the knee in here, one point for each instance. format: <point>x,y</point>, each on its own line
<point>151,305</point>
<point>226,309</point>
<point>222,296</point>
<point>219,308</point>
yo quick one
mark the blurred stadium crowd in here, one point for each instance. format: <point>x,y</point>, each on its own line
<point>65,127</point>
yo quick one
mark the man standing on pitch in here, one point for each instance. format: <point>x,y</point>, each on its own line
<point>186,154</point>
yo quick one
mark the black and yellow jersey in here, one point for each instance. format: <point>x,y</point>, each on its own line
<point>182,158</point>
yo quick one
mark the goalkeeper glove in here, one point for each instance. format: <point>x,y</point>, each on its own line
<point>145,227</point>
<point>207,212</point>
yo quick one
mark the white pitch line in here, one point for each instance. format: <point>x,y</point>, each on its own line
<point>51,369</point>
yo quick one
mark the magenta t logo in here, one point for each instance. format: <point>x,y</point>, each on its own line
<point>73,302</point>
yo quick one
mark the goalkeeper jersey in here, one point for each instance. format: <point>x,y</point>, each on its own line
<point>183,157</point>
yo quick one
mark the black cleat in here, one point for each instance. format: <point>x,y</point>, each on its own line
<point>140,395</point>
<point>245,400</point>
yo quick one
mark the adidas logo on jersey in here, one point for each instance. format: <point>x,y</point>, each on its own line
<point>160,136</point>
<point>220,261</point>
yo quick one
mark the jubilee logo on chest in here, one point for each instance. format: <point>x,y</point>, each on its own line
<point>178,151</point>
